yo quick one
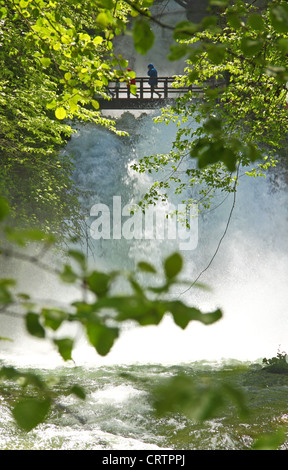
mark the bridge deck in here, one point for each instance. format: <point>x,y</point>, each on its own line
<point>122,98</point>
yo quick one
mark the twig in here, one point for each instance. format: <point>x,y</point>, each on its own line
<point>29,259</point>
<point>221,239</point>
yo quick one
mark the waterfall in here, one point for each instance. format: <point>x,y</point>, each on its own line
<point>247,277</point>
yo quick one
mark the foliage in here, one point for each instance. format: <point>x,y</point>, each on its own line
<point>101,317</point>
<point>198,401</point>
<point>37,396</point>
<point>56,58</point>
<point>239,57</point>
<point>270,441</point>
<point>277,364</point>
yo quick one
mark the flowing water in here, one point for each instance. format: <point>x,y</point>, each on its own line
<point>248,280</point>
<point>118,415</point>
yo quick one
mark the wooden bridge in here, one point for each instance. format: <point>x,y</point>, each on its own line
<point>122,98</point>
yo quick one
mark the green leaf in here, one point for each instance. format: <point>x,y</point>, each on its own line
<point>37,235</point>
<point>193,76</point>
<point>147,3</point>
<point>67,76</point>
<point>68,274</point>
<point>52,104</point>
<point>3,12</point>
<point>181,394</point>
<point>60,113</point>
<point>183,314</point>
<point>238,397</point>
<point>139,309</point>
<point>4,208</point>
<point>98,40</point>
<point>5,295</point>
<point>7,282</point>
<point>95,104</point>
<point>146,267</point>
<point>45,61</point>
<point>213,125</point>
<point>101,337</point>
<point>219,3</point>
<point>256,22</point>
<point>103,20</point>
<point>24,3</point>
<point>185,29</point>
<point>283,45</point>
<point>208,152</point>
<point>173,265</point>
<point>252,152</point>
<point>65,346</point>
<point>209,23</point>
<point>234,21</point>
<point>133,89</point>
<point>9,373</point>
<point>108,4</point>
<point>251,47</point>
<point>53,318</point>
<point>136,287</point>
<point>79,257</point>
<point>30,412</point>
<point>178,51</point>
<point>216,53</point>
<point>34,326</point>
<point>124,63</point>
<point>98,283</point>
<point>270,441</point>
<point>78,391</point>
<point>279,17</point>
<point>143,36</point>
<point>21,237</point>
<point>200,400</point>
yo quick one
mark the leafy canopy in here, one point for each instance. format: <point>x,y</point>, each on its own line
<point>238,55</point>
<point>56,59</point>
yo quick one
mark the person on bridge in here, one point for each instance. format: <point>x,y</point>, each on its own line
<point>153,80</point>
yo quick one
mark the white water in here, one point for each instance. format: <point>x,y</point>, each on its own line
<point>248,276</point>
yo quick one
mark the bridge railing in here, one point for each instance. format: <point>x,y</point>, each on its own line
<point>120,90</point>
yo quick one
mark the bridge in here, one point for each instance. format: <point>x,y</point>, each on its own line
<point>122,98</point>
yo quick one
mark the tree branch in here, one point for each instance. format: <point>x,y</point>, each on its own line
<point>221,239</point>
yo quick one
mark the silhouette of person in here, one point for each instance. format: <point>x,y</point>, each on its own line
<point>153,80</point>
